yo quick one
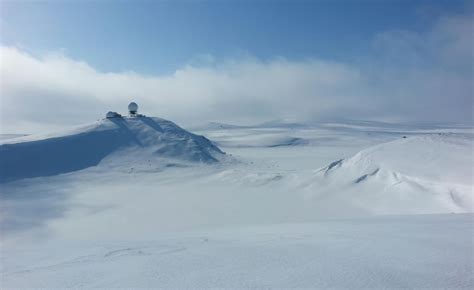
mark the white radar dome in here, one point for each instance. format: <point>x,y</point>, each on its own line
<point>133,107</point>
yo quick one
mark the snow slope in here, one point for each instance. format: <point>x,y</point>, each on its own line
<point>431,173</point>
<point>132,139</point>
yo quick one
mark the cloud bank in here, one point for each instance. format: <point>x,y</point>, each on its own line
<point>405,76</point>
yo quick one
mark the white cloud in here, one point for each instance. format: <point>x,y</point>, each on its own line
<point>408,76</point>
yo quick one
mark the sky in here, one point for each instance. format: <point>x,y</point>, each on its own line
<point>235,61</point>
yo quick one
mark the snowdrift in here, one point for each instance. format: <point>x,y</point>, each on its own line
<point>423,174</point>
<point>129,139</point>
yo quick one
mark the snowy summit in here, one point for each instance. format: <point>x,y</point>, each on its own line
<point>121,141</point>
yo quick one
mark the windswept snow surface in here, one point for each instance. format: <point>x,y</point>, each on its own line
<point>389,252</point>
<point>349,207</point>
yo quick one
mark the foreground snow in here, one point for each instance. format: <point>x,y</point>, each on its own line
<point>432,251</point>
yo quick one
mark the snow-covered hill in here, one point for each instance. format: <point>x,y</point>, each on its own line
<point>129,140</point>
<point>430,173</point>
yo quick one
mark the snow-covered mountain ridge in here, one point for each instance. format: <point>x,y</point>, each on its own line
<point>131,139</point>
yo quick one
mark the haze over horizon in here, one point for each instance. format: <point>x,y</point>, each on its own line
<point>69,63</point>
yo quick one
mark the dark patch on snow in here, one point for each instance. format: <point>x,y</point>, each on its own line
<point>176,165</point>
<point>455,199</point>
<point>334,164</point>
<point>291,142</point>
<point>276,177</point>
<point>364,177</point>
<point>11,136</point>
<point>220,126</point>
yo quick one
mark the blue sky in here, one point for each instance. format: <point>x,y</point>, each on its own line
<point>157,37</point>
<point>238,62</point>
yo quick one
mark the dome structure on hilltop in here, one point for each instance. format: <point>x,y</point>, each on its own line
<point>133,108</point>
